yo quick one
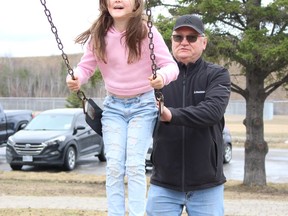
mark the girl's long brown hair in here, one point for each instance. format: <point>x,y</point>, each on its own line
<point>135,33</point>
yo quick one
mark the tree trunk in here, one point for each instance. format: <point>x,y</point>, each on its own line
<point>255,146</point>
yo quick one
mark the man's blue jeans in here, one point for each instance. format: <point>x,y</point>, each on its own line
<point>127,126</point>
<point>166,202</point>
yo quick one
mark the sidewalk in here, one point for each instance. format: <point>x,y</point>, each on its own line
<point>250,207</point>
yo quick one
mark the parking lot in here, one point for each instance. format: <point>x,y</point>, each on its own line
<point>276,165</point>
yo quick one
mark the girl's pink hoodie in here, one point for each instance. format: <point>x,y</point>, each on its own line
<point>125,79</point>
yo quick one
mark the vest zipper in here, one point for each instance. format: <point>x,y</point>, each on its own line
<point>183,131</point>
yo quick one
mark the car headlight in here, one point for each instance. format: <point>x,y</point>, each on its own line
<point>11,141</point>
<point>55,141</point>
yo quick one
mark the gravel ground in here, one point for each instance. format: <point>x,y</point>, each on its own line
<point>242,207</point>
<point>61,194</point>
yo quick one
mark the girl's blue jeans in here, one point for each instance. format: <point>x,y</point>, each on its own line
<point>127,126</point>
<point>166,202</point>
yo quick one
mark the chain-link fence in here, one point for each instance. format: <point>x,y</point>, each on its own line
<point>235,107</point>
<point>37,104</point>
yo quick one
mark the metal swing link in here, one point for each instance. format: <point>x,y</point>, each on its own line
<point>150,36</point>
<point>158,94</point>
<point>80,94</point>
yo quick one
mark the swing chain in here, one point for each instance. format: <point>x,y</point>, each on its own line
<point>151,44</point>
<point>158,94</point>
<point>54,30</point>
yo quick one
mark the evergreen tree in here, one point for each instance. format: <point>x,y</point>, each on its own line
<point>254,36</point>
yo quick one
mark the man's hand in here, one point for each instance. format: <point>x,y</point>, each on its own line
<point>166,114</point>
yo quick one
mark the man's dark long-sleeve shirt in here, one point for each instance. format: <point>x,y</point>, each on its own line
<point>187,152</point>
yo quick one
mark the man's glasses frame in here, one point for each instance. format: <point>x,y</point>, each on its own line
<point>190,38</point>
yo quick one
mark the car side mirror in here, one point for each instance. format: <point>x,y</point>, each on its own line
<point>80,127</point>
<point>22,126</point>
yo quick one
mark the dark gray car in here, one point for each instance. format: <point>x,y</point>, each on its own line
<point>54,137</point>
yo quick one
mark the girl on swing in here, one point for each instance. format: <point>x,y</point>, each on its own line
<point>117,44</point>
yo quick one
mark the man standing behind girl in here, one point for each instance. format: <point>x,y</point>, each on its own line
<point>117,44</point>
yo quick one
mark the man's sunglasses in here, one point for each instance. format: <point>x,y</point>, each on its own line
<point>189,38</point>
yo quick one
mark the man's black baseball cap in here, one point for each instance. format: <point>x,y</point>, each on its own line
<point>191,21</point>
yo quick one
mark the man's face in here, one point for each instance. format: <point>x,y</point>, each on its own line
<point>185,51</point>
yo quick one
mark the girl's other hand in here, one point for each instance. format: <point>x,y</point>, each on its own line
<point>156,83</point>
<point>73,85</point>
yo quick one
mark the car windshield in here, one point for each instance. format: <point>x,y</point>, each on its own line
<point>50,122</point>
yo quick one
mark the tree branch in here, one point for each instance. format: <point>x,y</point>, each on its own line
<point>271,88</point>
<point>230,24</point>
<point>237,89</point>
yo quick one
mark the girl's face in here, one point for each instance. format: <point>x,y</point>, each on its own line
<point>120,9</point>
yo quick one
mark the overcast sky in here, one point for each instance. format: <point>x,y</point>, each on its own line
<point>25,30</point>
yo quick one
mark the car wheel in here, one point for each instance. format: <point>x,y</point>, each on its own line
<point>70,159</point>
<point>101,156</point>
<point>228,153</point>
<point>16,167</point>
